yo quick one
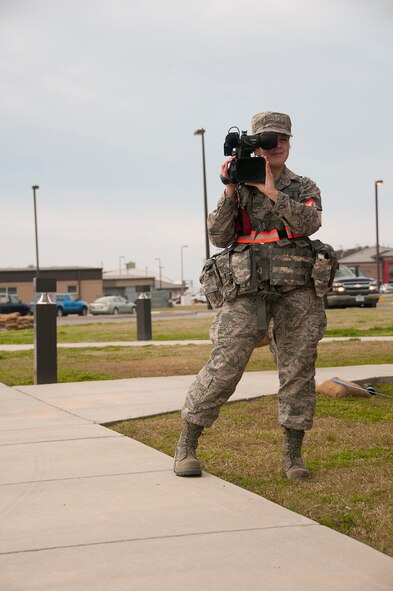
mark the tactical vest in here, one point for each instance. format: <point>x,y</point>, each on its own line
<point>282,258</point>
<point>267,260</point>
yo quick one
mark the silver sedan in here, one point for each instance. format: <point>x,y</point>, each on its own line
<point>112,305</point>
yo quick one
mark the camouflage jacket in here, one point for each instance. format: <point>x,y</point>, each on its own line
<point>289,210</point>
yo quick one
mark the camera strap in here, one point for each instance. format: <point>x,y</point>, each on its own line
<point>243,220</point>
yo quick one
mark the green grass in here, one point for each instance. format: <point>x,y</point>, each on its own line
<point>355,322</point>
<point>348,457</point>
<point>163,330</point>
<point>351,322</point>
<point>373,331</point>
<point>349,453</point>
<point>109,363</point>
<point>352,409</point>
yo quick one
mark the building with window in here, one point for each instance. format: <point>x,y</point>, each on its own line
<point>132,282</point>
<point>90,283</point>
<point>364,261</point>
<point>84,282</point>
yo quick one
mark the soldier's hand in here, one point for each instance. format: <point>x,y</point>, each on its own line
<point>229,187</point>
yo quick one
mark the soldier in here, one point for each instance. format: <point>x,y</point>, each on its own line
<point>266,274</point>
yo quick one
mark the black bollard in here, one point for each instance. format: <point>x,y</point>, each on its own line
<point>45,332</point>
<point>143,318</point>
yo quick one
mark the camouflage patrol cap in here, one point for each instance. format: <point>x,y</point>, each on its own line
<point>268,121</point>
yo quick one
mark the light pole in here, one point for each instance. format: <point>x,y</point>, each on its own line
<point>181,264</point>
<point>45,330</point>
<point>159,270</point>
<point>377,230</point>
<point>201,132</point>
<point>120,258</point>
<point>35,187</point>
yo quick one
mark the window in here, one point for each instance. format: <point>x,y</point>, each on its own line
<point>72,289</point>
<point>5,299</point>
<point>9,290</point>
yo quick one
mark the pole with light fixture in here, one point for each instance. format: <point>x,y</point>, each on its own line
<point>35,187</point>
<point>201,132</point>
<point>380,182</point>
<point>45,329</point>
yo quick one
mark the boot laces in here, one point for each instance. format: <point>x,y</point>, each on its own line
<point>192,435</point>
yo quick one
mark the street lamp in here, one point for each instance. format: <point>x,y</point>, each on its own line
<point>159,270</point>
<point>121,257</point>
<point>45,333</point>
<point>35,187</point>
<point>181,264</point>
<point>376,226</point>
<point>201,132</point>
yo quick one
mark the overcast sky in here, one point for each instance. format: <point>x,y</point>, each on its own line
<point>99,100</point>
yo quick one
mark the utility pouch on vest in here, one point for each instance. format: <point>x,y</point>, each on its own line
<point>211,284</point>
<point>228,274</point>
<point>243,269</point>
<point>291,264</point>
<point>223,262</point>
<point>325,267</point>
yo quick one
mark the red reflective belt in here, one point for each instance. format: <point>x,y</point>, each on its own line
<point>271,236</point>
<point>290,235</point>
<point>263,237</point>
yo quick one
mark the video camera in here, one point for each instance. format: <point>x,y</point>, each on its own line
<point>244,168</point>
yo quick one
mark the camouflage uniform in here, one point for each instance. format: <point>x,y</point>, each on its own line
<point>299,319</point>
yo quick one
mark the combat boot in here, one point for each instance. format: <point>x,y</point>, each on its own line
<point>186,461</point>
<point>292,458</point>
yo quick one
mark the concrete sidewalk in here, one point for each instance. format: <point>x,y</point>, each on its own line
<point>28,347</point>
<point>83,507</point>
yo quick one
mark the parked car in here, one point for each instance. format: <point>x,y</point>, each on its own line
<point>11,303</point>
<point>349,290</point>
<point>112,305</point>
<point>66,303</point>
<point>386,288</point>
<point>69,304</point>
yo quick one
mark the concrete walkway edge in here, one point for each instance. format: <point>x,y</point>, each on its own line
<point>83,507</point>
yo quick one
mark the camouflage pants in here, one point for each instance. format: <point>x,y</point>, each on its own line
<point>299,322</point>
